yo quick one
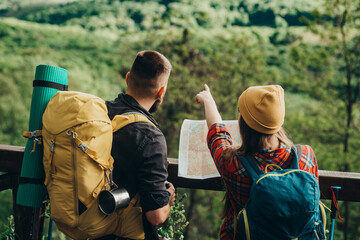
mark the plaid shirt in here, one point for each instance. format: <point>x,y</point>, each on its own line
<point>237,179</point>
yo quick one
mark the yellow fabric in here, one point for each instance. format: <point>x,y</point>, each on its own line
<point>272,165</point>
<point>263,108</point>
<point>323,214</point>
<point>130,220</point>
<point>246,224</point>
<point>77,138</point>
<point>28,134</point>
<point>277,174</point>
<point>120,121</point>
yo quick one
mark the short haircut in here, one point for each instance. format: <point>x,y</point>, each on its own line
<point>145,72</point>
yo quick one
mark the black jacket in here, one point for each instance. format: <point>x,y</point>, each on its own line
<point>140,159</point>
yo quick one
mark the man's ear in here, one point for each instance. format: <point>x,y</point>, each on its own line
<point>160,92</point>
<point>127,78</point>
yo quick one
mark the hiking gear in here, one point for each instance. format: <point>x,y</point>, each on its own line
<point>110,201</point>
<point>334,209</point>
<point>237,179</point>
<point>283,204</point>
<point>263,108</point>
<point>77,138</point>
<point>50,231</point>
<point>31,191</point>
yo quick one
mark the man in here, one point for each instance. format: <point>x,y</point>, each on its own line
<point>139,149</point>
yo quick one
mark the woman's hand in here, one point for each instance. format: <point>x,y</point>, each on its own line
<point>211,113</point>
<point>204,96</point>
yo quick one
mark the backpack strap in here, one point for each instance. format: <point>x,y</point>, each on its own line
<point>118,122</point>
<point>122,120</point>
<point>252,167</point>
<point>297,156</point>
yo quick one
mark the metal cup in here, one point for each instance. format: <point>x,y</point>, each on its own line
<point>110,201</point>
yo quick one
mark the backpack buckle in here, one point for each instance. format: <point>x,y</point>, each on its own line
<point>33,134</point>
<point>52,145</point>
<point>110,181</point>
<point>83,147</point>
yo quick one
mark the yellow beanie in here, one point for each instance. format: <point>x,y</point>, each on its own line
<point>263,108</point>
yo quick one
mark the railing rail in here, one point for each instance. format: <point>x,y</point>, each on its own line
<point>11,160</point>
<point>349,182</point>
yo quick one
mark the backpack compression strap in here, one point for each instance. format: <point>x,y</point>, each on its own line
<point>120,121</point>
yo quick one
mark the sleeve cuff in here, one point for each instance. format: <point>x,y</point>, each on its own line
<point>153,201</point>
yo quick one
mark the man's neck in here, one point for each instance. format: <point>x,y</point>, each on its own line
<point>145,103</point>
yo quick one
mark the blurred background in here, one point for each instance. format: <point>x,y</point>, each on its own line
<point>310,47</point>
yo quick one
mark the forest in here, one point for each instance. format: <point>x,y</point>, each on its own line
<point>310,47</point>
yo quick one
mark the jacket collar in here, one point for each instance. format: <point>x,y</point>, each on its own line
<point>132,103</point>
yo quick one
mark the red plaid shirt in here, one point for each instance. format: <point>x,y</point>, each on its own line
<point>237,179</point>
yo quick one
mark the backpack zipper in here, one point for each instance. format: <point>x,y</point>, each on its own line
<point>277,174</point>
<point>76,206</point>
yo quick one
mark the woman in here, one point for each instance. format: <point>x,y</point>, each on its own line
<point>262,112</point>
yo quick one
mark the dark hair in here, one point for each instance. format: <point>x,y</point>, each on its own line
<point>251,142</point>
<point>145,72</point>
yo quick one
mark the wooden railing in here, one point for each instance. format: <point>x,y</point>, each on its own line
<point>11,160</point>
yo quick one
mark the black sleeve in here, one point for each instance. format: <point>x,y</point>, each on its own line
<point>152,173</point>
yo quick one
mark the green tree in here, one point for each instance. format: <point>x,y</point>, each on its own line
<point>338,28</point>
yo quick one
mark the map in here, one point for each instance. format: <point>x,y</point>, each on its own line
<point>195,160</point>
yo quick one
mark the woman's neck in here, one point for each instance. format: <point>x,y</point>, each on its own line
<point>272,142</point>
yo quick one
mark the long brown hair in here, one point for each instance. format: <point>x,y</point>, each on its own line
<point>251,142</point>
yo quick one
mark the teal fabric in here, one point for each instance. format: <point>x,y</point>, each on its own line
<point>32,194</point>
<point>284,204</point>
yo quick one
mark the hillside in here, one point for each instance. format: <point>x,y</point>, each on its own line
<point>160,14</point>
<point>229,45</point>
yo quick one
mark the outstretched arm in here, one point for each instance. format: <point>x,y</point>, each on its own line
<point>205,98</point>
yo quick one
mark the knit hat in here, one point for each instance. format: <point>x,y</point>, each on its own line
<point>263,108</point>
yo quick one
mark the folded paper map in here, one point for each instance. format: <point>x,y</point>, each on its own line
<point>195,160</point>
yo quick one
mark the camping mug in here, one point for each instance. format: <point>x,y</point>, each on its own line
<point>110,201</point>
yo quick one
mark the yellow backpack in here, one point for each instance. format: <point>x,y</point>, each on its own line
<point>77,137</point>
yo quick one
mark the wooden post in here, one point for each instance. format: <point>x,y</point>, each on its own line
<point>26,219</point>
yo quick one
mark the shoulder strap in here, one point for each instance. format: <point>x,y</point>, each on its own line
<point>297,156</point>
<point>251,167</point>
<point>120,121</point>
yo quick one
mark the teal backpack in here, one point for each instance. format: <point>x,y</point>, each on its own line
<point>283,204</point>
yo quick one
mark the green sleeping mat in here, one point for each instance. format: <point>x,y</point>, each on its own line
<point>48,80</point>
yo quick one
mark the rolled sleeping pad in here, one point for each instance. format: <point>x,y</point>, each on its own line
<point>48,81</point>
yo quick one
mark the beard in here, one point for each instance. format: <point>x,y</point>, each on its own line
<point>155,106</point>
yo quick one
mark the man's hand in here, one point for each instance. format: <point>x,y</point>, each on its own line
<point>171,190</point>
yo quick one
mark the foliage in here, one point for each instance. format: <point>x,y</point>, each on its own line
<point>176,223</point>
<point>145,15</point>
<point>338,28</point>
<point>229,45</point>
<point>9,233</point>
<point>5,212</point>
